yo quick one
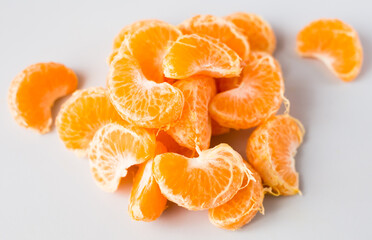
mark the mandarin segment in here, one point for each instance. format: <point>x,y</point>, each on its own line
<point>114,149</point>
<point>241,209</point>
<point>149,44</point>
<point>138,100</point>
<point>125,32</point>
<point>258,32</point>
<point>33,92</point>
<point>335,43</point>
<point>196,55</point>
<point>257,98</point>
<point>218,28</point>
<point>193,129</point>
<point>146,202</point>
<point>173,146</point>
<point>207,181</point>
<point>82,115</point>
<point>271,149</point>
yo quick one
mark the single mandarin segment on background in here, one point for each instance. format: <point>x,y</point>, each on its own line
<point>194,129</point>
<point>138,100</point>
<point>173,146</point>
<point>271,149</point>
<point>33,92</point>
<point>335,43</point>
<point>218,28</point>
<point>114,149</point>
<point>204,182</point>
<point>257,98</point>
<point>82,115</point>
<point>258,32</point>
<point>196,55</point>
<point>146,202</point>
<point>242,208</point>
<point>217,129</point>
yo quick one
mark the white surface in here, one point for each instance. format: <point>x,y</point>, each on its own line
<point>48,193</point>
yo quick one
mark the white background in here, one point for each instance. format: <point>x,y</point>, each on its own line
<point>46,192</point>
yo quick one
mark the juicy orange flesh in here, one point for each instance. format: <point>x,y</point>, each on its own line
<point>335,43</point>
<point>114,149</point>
<point>199,183</point>
<point>258,32</point>
<point>242,207</point>
<point>173,146</point>
<point>194,127</point>
<point>138,100</point>
<point>146,201</point>
<point>192,54</point>
<point>82,115</point>
<point>215,27</point>
<point>149,45</point>
<point>283,142</point>
<point>271,149</point>
<point>34,90</point>
<point>257,98</point>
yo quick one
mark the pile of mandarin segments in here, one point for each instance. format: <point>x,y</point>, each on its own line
<point>168,90</point>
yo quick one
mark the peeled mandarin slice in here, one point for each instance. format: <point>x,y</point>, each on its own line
<point>173,146</point>
<point>271,149</point>
<point>219,28</point>
<point>149,44</point>
<point>138,100</point>
<point>196,55</point>
<point>129,29</point>
<point>335,43</point>
<point>204,182</point>
<point>114,149</point>
<point>124,33</point>
<point>33,92</point>
<point>146,202</point>
<point>217,129</point>
<point>193,129</point>
<point>82,115</point>
<point>241,209</point>
<point>257,98</point>
<point>258,32</point>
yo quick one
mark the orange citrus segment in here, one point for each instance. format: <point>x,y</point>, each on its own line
<point>257,98</point>
<point>219,28</point>
<point>258,32</point>
<point>146,202</point>
<point>242,207</point>
<point>206,181</point>
<point>33,91</point>
<point>173,146</point>
<point>138,100</point>
<point>125,32</point>
<point>193,54</point>
<point>114,149</point>
<point>335,43</point>
<point>149,44</point>
<point>271,149</point>
<point>82,115</point>
<point>194,127</point>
